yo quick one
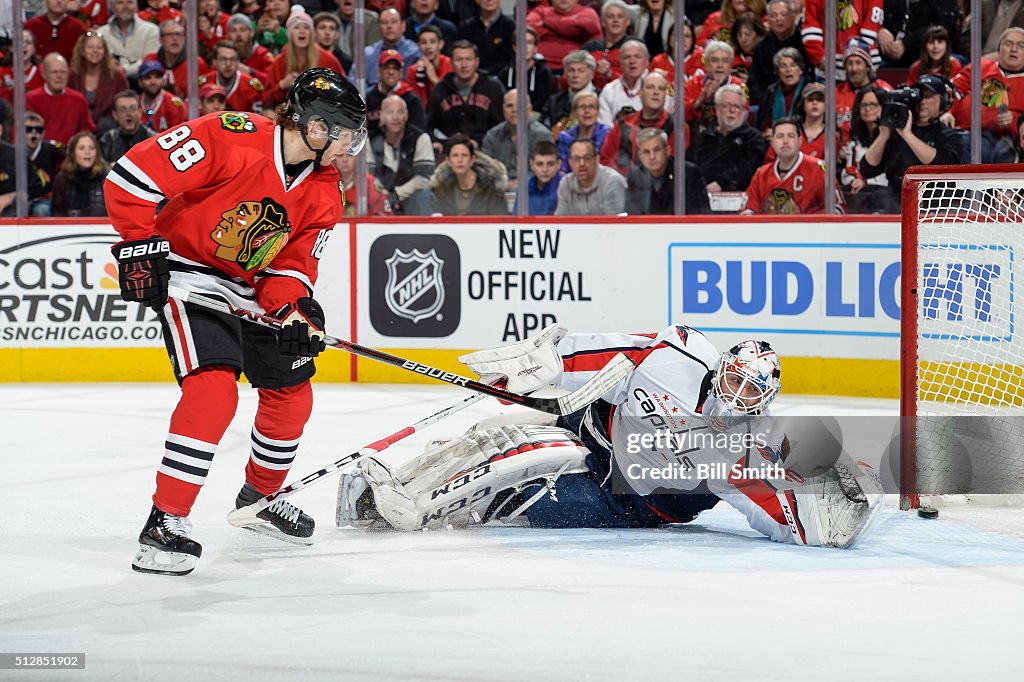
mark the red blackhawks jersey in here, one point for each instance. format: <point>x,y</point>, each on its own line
<point>854,19</point>
<point>236,225</point>
<point>245,93</point>
<point>164,112</point>
<point>799,190</point>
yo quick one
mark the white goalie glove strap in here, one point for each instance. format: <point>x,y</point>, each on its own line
<point>453,485</point>
<point>846,504</point>
<point>528,365</point>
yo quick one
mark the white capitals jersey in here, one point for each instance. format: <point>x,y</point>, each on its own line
<point>665,395</point>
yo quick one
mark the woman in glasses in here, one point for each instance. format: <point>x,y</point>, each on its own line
<point>95,74</point>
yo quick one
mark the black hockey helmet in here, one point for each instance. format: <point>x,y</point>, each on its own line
<point>327,95</point>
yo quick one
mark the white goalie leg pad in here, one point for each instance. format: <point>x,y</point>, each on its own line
<point>846,504</point>
<point>528,365</point>
<point>454,485</point>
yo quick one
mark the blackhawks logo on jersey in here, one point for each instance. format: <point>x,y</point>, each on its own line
<point>993,93</point>
<point>237,122</point>
<point>252,233</point>
<point>779,202</point>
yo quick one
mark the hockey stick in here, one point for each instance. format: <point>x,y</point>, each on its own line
<point>246,515</point>
<point>599,384</point>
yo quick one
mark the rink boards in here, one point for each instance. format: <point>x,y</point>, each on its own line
<point>824,292</point>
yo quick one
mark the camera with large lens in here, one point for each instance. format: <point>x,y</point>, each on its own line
<point>898,106</point>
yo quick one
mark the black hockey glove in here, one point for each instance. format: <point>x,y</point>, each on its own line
<point>303,330</point>
<point>142,270</point>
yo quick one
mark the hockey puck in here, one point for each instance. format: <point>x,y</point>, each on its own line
<point>928,513</point>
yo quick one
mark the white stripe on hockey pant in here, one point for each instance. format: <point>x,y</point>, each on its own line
<point>181,336</point>
<point>187,459</point>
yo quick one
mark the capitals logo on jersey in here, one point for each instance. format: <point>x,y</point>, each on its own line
<point>252,233</point>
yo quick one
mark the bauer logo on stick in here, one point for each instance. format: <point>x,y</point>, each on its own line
<point>415,287</point>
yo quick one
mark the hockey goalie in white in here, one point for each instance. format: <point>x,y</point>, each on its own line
<point>687,429</point>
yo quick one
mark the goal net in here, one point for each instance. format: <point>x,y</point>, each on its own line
<point>962,352</point>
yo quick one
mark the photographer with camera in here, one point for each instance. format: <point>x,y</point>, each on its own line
<point>911,134</point>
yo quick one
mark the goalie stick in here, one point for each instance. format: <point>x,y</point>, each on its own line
<point>613,372</point>
<point>246,515</point>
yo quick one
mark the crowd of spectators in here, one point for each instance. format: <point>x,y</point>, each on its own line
<point>104,75</point>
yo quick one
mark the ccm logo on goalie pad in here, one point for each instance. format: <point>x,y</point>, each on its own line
<point>435,373</point>
<point>150,248</point>
<point>461,503</point>
<point>459,481</point>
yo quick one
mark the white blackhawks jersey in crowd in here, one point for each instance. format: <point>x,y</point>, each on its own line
<point>665,394</point>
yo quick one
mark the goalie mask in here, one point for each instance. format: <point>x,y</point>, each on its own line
<point>744,383</point>
<point>326,104</point>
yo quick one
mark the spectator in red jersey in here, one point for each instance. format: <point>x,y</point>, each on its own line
<point>858,190</point>
<point>376,196</point>
<point>792,184</point>
<point>622,95</point>
<point>256,59</point>
<point>33,69</point>
<point>563,27</point>
<point>902,33</point>
<point>859,19</point>
<point>172,56</point>
<point>213,25</point>
<point>212,98</point>
<point>66,111</point>
<point>578,69</point>
<point>493,33</point>
<point>810,111</point>
<point>432,66</point>
<point>538,76</point>
<point>78,187</point>
<point>700,90</point>
<point>616,19</point>
<point>936,56</point>
<point>94,74</point>
<point>326,31</point>
<point>243,92</point>
<point>158,12</point>
<point>746,31</point>
<point>301,53</point>
<point>55,30</point>
<point>653,24</point>
<point>130,39</point>
<point>783,31</point>
<point>1002,103</point>
<point>92,13</point>
<point>719,25</point>
<point>160,109</point>
<point>619,150</point>
<point>859,74</point>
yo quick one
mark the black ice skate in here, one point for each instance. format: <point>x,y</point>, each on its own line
<point>280,520</point>
<point>165,546</point>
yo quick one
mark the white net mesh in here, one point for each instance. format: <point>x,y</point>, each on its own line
<point>970,359</point>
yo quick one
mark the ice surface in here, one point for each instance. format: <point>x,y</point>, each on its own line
<point>919,599</point>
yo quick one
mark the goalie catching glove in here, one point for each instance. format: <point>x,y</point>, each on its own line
<point>302,328</point>
<point>142,271</point>
<point>522,367</point>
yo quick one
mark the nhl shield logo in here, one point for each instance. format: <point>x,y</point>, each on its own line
<point>414,289</point>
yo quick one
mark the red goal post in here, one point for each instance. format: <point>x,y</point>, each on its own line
<point>961,350</point>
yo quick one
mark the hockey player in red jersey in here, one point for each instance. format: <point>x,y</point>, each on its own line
<point>246,207</point>
<point>791,184</point>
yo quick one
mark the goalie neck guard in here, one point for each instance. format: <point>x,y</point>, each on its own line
<point>326,96</point>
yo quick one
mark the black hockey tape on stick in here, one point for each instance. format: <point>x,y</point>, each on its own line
<point>609,375</point>
<point>246,515</point>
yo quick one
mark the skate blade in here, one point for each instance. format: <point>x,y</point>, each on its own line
<point>153,560</point>
<point>263,528</point>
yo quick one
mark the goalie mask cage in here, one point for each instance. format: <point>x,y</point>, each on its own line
<point>962,356</point>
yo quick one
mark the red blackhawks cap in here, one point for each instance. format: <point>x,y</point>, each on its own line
<point>390,56</point>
